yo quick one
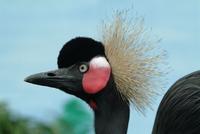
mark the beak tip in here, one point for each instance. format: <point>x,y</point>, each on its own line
<point>27,79</point>
<point>31,79</point>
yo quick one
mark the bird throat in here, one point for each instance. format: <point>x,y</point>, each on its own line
<point>112,112</point>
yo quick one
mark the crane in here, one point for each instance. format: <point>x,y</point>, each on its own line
<point>121,70</point>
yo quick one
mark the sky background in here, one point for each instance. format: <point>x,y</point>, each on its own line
<point>33,32</point>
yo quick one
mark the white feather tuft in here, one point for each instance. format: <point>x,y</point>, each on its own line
<point>134,60</point>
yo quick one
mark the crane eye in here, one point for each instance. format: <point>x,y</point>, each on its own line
<point>83,68</point>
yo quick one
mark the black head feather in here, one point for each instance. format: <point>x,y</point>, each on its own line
<point>80,49</point>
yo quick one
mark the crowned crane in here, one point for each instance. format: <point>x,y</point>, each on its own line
<point>120,70</point>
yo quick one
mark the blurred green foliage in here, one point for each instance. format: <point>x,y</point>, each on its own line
<point>75,119</point>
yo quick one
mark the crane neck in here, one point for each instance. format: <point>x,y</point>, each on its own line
<point>112,112</point>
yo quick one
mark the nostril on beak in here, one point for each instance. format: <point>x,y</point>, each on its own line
<point>51,74</point>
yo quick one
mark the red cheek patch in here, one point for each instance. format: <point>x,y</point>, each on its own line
<point>98,75</point>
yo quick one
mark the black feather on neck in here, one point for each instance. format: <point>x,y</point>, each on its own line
<point>112,113</point>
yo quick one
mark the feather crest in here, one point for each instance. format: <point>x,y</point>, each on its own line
<point>134,60</point>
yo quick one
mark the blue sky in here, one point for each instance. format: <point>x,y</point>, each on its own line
<point>32,33</point>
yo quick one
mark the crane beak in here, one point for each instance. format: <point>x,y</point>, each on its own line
<point>64,79</point>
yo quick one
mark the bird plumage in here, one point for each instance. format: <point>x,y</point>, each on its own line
<point>134,59</point>
<point>79,49</point>
<point>179,110</point>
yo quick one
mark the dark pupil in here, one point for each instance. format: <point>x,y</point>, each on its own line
<point>82,68</point>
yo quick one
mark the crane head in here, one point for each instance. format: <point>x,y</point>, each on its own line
<point>124,56</point>
<point>83,69</point>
